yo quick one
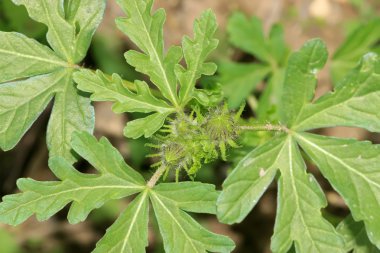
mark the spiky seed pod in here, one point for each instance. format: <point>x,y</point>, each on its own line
<point>195,139</point>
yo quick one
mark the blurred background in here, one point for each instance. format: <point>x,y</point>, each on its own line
<point>331,20</point>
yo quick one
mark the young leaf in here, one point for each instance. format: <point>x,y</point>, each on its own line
<point>355,236</point>
<point>69,34</point>
<point>146,31</point>
<point>299,218</point>
<point>195,52</point>
<point>348,105</point>
<point>113,89</point>
<point>145,126</point>
<point>300,79</point>
<point>352,168</point>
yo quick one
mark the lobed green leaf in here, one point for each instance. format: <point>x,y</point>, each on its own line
<point>145,126</point>
<point>113,89</point>
<point>129,234</point>
<point>300,79</point>
<point>354,102</point>
<point>299,218</point>
<point>87,192</point>
<point>181,233</point>
<point>352,168</point>
<point>193,197</point>
<point>71,112</point>
<point>71,25</point>
<point>22,102</point>
<point>248,182</point>
<point>22,57</point>
<point>146,31</point>
<point>195,52</point>
<point>84,16</point>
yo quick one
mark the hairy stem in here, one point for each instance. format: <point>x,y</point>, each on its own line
<point>156,176</point>
<point>265,127</point>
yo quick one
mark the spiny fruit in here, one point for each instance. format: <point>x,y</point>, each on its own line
<point>189,141</point>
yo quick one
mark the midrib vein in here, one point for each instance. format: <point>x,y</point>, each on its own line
<point>176,221</point>
<point>73,190</point>
<point>173,97</point>
<point>59,63</point>
<point>339,161</point>
<point>133,221</point>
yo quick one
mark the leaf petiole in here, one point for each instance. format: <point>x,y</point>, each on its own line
<point>265,127</point>
<point>156,176</point>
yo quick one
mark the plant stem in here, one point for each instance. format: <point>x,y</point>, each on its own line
<point>156,176</point>
<point>265,127</point>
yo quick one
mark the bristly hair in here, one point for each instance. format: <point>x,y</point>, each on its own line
<point>189,141</point>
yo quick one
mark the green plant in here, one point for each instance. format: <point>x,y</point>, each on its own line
<point>271,54</point>
<point>188,127</point>
<point>349,165</point>
<point>71,25</point>
<point>240,79</point>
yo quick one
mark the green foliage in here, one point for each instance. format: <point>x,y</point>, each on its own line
<point>240,79</point>
<point>351,98</point>
<point>270,58</point>
<point>198,129</point>
<point>117,180</point>
<point>32,74</point>
<point>146,31</point>
<point>350,166</point>
<point>363,39</point>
